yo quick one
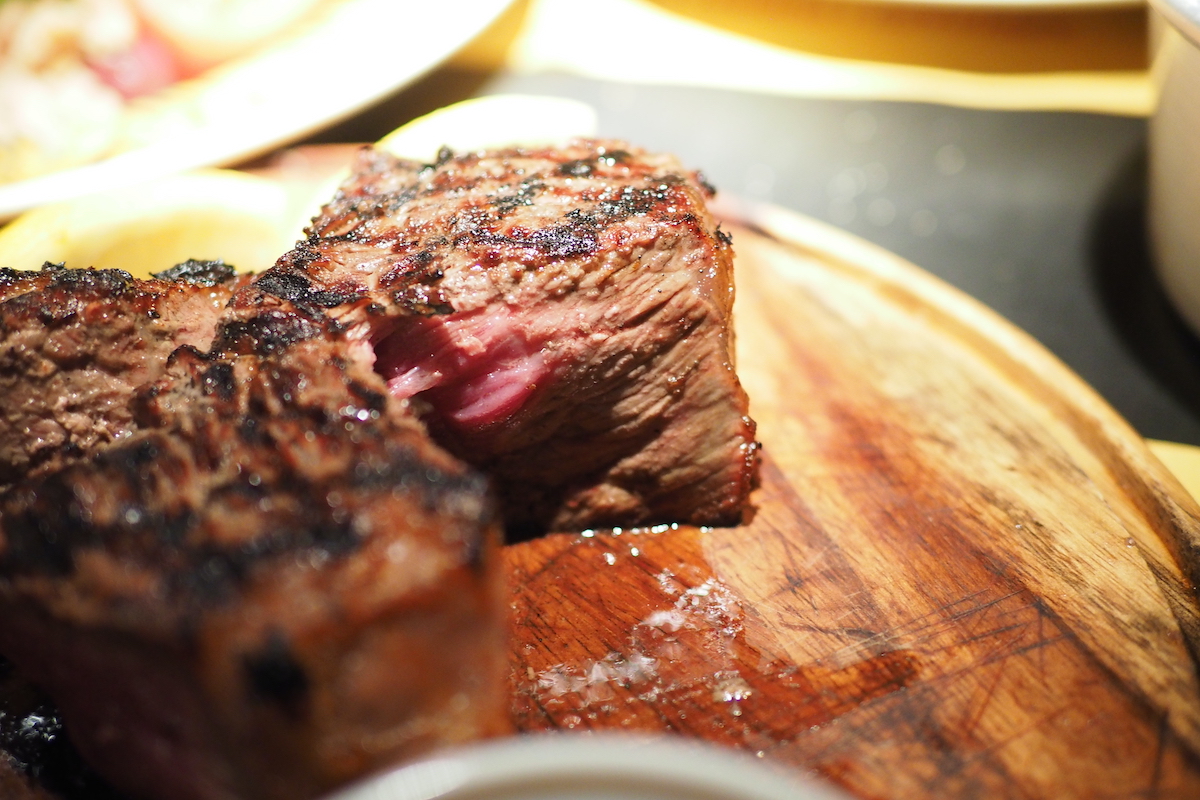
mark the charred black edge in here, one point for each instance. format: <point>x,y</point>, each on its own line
<point>524,195</point>
<point>57,293</point>
<point>82,283</point>
<point>34,742</point>
<point>219,381</point>
<point>296,288</point>
<point>274,675</point>
<point>271,332</point>
<point>198,272</point>
<point>583,167</point>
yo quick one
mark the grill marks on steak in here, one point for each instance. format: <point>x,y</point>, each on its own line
<point>562,317</point>
<point>278,581</point>
<point>76,343</point>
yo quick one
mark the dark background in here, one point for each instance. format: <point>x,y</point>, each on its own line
<point>1038,214</point>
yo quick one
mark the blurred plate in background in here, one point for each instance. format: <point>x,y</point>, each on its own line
<point>356,53</point>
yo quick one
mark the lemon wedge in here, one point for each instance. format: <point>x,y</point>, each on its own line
<point>242,219</point>
<point>495,121</point>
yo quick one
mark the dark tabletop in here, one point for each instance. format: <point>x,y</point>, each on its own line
<point>1040,215</point>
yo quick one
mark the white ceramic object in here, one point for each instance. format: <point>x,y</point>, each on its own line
<point>1174,154</point>
<point>502,120</point>
<point>588,767</point>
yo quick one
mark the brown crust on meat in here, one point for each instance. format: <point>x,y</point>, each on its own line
<point>76,343</point>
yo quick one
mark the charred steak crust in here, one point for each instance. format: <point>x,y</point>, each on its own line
<point>278,579</point>
<point>37,759</point>
<point>76,343</point>
<point>563,315</point>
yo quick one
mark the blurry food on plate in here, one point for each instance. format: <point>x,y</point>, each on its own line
<point>202,33</point>
<point>70,69</point>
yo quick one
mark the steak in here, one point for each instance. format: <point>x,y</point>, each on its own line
<point>231,551</point>
<point>274,585</point>
<point>561,318</point>
<point>76,343</point>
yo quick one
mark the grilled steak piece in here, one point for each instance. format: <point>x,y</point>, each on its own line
<point>275,585</point>
<point>75,343</point>
<point>562,317</point>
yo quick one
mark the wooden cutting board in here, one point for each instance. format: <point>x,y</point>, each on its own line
<point>963,578</point>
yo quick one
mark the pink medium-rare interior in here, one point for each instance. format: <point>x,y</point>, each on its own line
<point>475,368</point>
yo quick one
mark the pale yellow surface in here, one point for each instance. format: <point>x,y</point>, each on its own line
<point>210,214</point>
<point>1183,460</point>
<point>997,36</point>
<point>1089,57</point>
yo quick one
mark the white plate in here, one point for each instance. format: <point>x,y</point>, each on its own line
<point>359,52</point>
<point>591,766</point>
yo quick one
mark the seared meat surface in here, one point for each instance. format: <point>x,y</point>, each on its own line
<point>75,343</point>
<point>562,317</point>
<point>276,584</point>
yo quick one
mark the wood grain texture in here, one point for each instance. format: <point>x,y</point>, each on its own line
<point>963,578</point>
